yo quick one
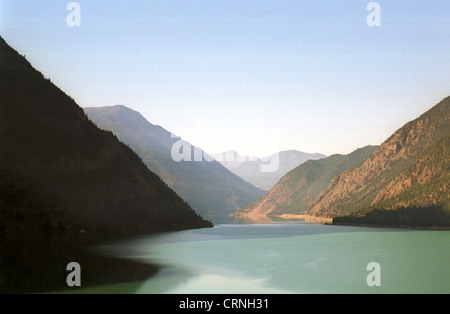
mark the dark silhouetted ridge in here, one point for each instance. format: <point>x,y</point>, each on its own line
<point>211,189</point>
<point>60,174</point>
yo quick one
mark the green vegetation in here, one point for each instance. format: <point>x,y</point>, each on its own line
<point>251,172</point>
<point>410,171</point>
<point>426,217</point>
<point>64,180</point>
<point>212,190</point>
<point>317,176</point>
<point>58,168</point>
<point>302,185</point>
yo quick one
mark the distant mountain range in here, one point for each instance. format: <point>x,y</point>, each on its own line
<point>251,169</point>
<point>295,192</point>
<point>211,189</point>
<point>405,181</point>
<point>61,174</point>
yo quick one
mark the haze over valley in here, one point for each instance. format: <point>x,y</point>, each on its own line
<point>224,147</point>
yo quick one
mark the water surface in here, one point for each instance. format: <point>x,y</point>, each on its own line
<point>290,258</point>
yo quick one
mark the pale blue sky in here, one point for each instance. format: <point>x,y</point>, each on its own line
<point>253,76</point>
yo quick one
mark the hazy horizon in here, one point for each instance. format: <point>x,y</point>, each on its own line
<point>254,77</point>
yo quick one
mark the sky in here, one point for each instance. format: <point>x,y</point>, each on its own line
<point>252,76</point>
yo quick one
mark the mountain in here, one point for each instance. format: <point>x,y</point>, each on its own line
<point>231,159</point>
<point>211,189</point>
<point>301,186</point>
<point>61,174</point>
<point>405,181</point>
<point>251,169</point>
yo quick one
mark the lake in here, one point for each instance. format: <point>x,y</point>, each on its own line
<point>288,258</point>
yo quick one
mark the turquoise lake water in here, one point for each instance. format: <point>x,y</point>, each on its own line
<point>289,258</point>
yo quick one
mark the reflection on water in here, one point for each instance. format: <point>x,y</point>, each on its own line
<point>214,283</point>
<point>38,266</point>
<point>240,258</point>
<point>291,258</point>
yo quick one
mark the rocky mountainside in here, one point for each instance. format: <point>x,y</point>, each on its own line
<point>301,186</point>
<point>211,189</point>
<point>60,174</point>
<point>411,169</point>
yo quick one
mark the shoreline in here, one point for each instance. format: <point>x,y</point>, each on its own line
<point>431,228</point>
<point>264,218</point>
<point>39,267</point>
<point>305,217</point>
